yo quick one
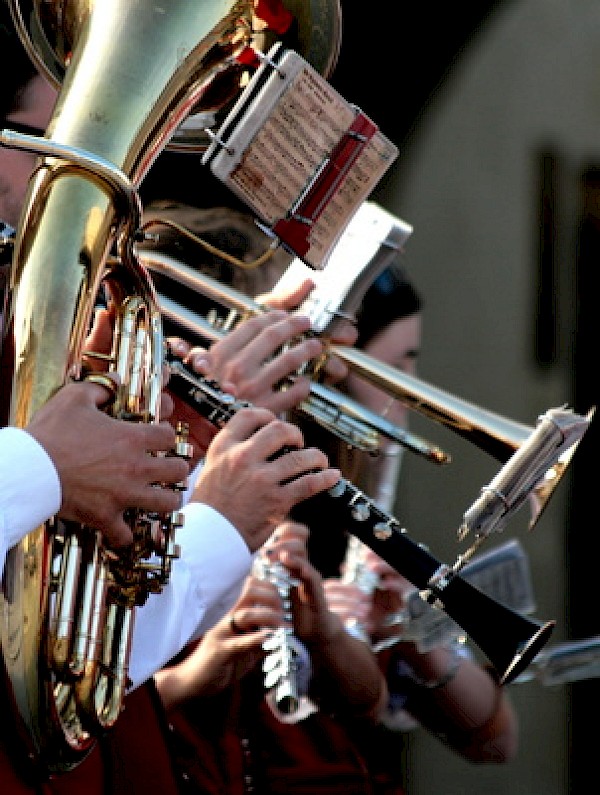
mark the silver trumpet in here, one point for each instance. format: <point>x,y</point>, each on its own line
<point>349,420</point>
<point>285,655</point>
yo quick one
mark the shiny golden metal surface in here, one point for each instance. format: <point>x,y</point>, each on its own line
<point>50,28</point>
<point>353,423</point>
<point>130,70</point>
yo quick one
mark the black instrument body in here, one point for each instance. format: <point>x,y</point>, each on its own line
<point>509,639</point>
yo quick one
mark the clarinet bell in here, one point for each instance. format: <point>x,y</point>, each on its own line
<point>509,639</point>
<point>527,651</point>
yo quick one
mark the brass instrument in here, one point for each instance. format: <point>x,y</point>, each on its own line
<point>551,444</point>
<point>318,35</point>
<point>129,73</point>
<point>499,436</point>
<point>352,422</point>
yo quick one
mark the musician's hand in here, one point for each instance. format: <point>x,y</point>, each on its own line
<point>345,333</point>
<point>348,601</point>
<point>314,624</point>
<point>104,465</point>
<point>200,430</point>
<point>246,479</point>
<point>387,599</point>
<point>99,340</point>
<point>254,359</point>
<point>346,676</point>
<point>288,299</point>
<point>229,650</point>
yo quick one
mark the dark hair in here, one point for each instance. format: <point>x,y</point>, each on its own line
<point>390,297</point>
<point>16,67</point>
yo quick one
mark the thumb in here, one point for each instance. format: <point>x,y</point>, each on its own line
<point>101,388</point>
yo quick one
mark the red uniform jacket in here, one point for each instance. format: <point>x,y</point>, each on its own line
<point>132,759</point>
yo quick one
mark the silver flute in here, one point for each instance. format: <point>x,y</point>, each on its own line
<point>285,654</point>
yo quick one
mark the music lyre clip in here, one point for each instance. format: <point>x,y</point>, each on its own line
<point>301,157</point>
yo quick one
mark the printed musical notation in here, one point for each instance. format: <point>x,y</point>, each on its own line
<point>302,157</point>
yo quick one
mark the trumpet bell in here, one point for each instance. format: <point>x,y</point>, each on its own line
<point>547,485</point>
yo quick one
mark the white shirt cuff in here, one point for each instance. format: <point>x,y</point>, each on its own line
<point>204,580</point>
<point>30,490</point>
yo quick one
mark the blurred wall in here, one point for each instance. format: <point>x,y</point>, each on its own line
<point>490,175</point>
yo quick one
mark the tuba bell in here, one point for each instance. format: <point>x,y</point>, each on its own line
<point>129,73</point>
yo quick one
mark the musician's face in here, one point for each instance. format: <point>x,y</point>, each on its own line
<point>16,166</point>
<point>398,346</point>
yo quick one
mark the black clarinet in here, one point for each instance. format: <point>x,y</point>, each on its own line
<point>509,639</point>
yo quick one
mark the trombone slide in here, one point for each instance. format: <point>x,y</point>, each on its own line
<point>351,421</point>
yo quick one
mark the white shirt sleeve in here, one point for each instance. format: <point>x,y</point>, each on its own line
<point>29,487</point>
<point>203,585</point>
<point>204,581</point>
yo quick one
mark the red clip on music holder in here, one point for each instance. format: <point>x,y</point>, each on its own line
<point>294,231</point>
<point>301,156</point>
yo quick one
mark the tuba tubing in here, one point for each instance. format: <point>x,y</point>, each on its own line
<point>508,639</point>
<point>132,72</point>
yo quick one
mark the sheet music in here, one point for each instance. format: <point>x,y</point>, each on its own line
<point>279,139</point>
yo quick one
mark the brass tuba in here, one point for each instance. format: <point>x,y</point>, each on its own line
<point>129,72</point>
